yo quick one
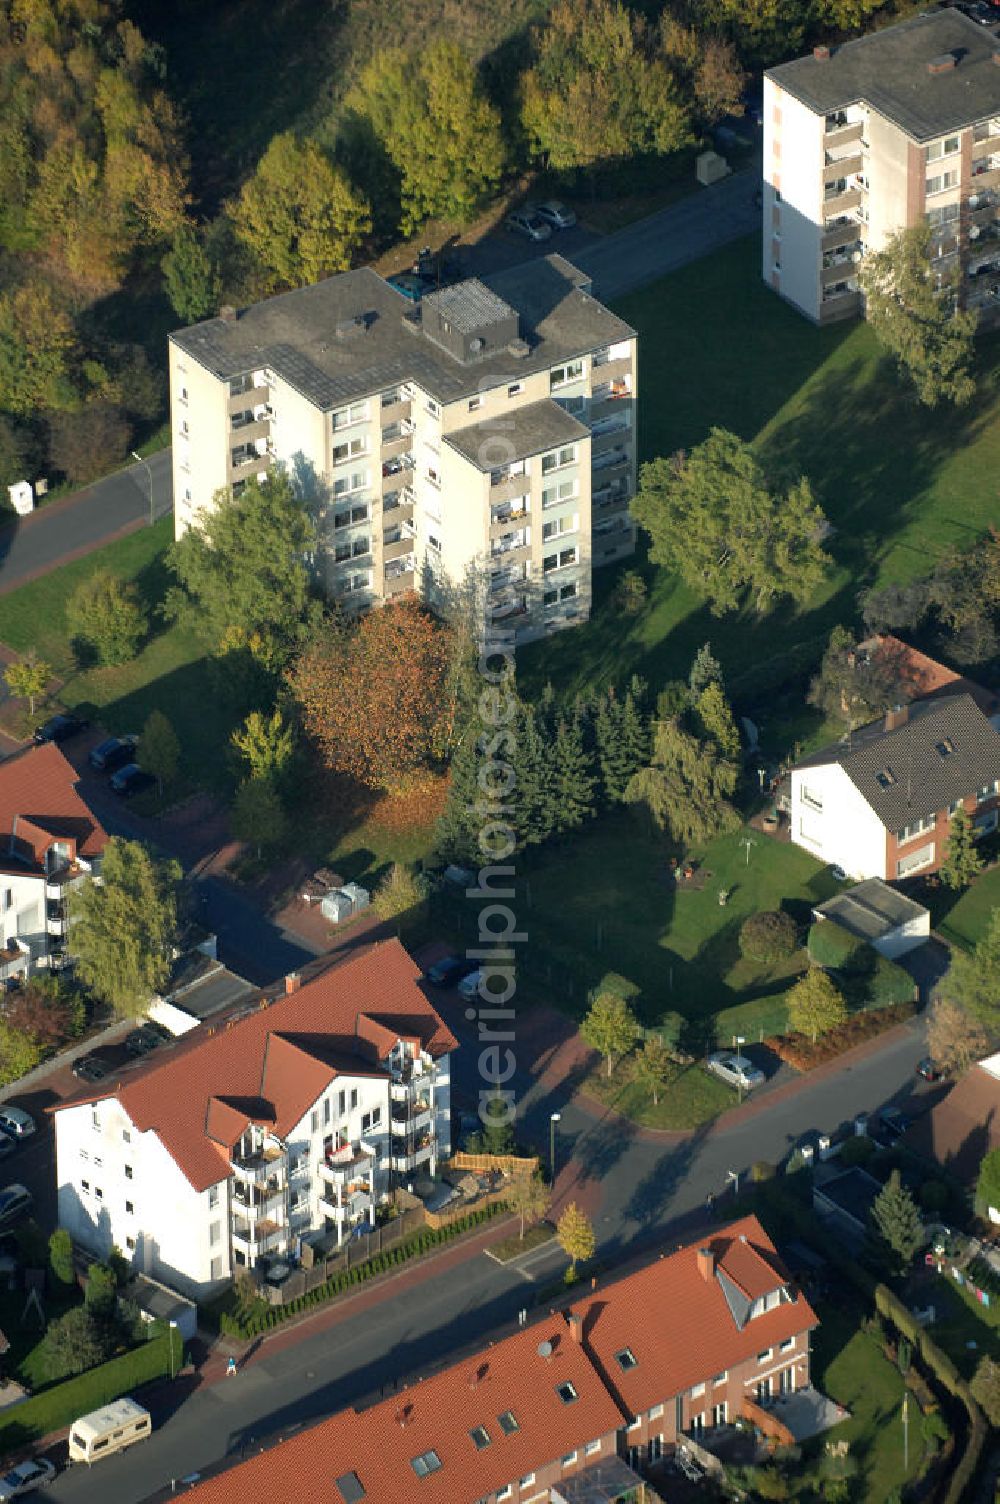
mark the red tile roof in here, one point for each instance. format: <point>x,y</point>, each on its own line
<point>379,1444</point>
<point>40,802</point>
<point>923,678</point>
<point>679,1325</point>
<point>963,1126</point>
<point>273,1064</point>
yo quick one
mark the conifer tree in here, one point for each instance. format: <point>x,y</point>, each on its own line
<point>613,760</point>
<point>534,796</point>
<point>636,740</point>
<point>705,670</point>
<point>961,861</point>
<point>574,776</point>
<point>455,839</point>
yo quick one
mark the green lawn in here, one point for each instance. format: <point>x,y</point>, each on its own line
<point>964,1329</point>
<point>170,673</point>
<point>900,485</point>
<point>623,913</point>
<point>689,1098</point>
<point>964,922</point>
<point>849,1366</point>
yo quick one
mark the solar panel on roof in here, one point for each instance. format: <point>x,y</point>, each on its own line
<point>350,1488</point>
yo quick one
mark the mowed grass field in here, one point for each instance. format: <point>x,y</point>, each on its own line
<point>900,484</point>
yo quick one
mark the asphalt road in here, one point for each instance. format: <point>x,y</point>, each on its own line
<point>75,525</point>
<point>649,1192</point>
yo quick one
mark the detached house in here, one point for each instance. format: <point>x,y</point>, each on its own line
<point>49,841</point>
<point>239,1141</point>
<point>569,1410</point>
<point>879,803</point>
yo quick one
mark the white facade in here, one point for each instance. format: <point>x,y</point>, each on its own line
<point>833,821</point>
<point>120,1187</point>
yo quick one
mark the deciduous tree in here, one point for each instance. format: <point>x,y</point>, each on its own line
<point>47,1010</point>
<point>714,519</point>
<point>912,305</point>
<point>687,787</point>
<point>770,936</point>
<point>528,1198</point>
<point>610,1028</point>
<point>815,1004</point>
<point>89,441</point>
<point>258,816</point>
<point>973,980</point>
<point>575,1235</point>
<point>124,927</point>
<point>955,1038</point>
<point>985,1388</point>
<point>266,744</point>
<point>36,351</point>
<point>160,750</point>
<point>855,686</point>
<point>400,892</point>
<point>961,858</point>
<point>190,276</point>
<point>653,1066</point>
<point>371,692</point>
<point>19,1053</point>
<point>105,614</point>
<point>28,677</point>
<point>61,1258</point>
<point>896,1221</point>
<point>299,215</point>
<point>73,1343</point>
<point>988,1183</point>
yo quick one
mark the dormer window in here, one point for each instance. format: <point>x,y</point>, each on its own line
<point>945,748</point>
<point>626,1359</point>
<point>427,1462</point>
<point>567,1392</point>
<point>886,778</point>
<point>480,1437</point>
<point>508,1423</point>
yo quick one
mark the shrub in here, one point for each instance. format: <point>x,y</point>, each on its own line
<point>769,937</point>
<point>630,593</point>
<point>756,1020</point>
<point>89,442</point>
<point>856,1151</point>
<point>760,1170</point>
<point>887,984</point>
<point>104,613</point>
<point>61,1257</point>
<point>400,892</point>
<point>836,949</point>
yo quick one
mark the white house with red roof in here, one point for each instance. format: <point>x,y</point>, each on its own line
<point>230,1146</point>
<point>49,841</point>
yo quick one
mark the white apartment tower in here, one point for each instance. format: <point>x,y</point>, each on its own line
<point>884,132</point>
<point>487,433</point>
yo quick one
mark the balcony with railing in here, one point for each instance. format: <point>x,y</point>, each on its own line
<point>842,230</point>
<point>250,394</point>
<point>252,1199</point>
<point>611,459</point>
<point>616,421</point>
<point>247,456</point>
<point>352,1164</point>
<point>394,409</point>
<point>505,543</point>
<point>513,574</point>
<point>987,130</point>
<point>399,464</point>
<point>397,440</point>
<point>406,1154</point>
<point>509,610</point>
<point>841,132</point>
<point>256,1238</point>
<point>840,196</point>
<point>505,513</point>
<point>418,1120</point>
<point>56,918</point>
<point>986,170</point>
<point>844,165</point>
<point>398,501</point>
<point>260,1166</point>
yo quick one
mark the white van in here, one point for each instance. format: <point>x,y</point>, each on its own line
<point>110,1429</point>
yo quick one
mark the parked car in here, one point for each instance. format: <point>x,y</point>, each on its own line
<point>130,780</point>
<point>556,214</point>
<point>113,753</point>
<point>526,222</point>
<point>468,987</point>
<point>15,1202</point>
<point>928,1069</point>
<point>893,1122</point>
<point>982,13</point>
<point>142,1040</point>
<point>7,1146</point>
<point>16,1122</point>
<point>59,729</point>
<point>737,1070</point>
<point>90,1068</point>
<point>449,971</point>
<point>26,1476</point>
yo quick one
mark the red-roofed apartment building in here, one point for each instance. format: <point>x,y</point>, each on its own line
<point>239,1141</point>
<point>49,840</point>
<point>570,1409</point>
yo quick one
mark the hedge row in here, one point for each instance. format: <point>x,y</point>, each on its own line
<point>760,1019</point>
<point>947,1374</point>
<point>63,1403</point>
<point>262,1317</point>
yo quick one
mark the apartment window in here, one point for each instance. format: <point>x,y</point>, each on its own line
<point>8,898</point>
<point>557,458</point>
<point>213,1196</point>
<point>567,1392</point>
<point>348,516</point>
<point>564,593</point>
<point>945,148</point>
<point>563,375</point>
<point>720,1378</point>
<point>656,1412</point>
<point>126,1136</point>
<point>376,1116</point>
<point>987,791</point>
<point>427,1462</point>
<point>917,828</point>
<point>314,1121</point>
<point>923,856</point>
<point>515,389</point>
<point>95,1120</point>
<point>130,1244</point>
<point>697,1391</point>
<point>527,1480</point>
<point>561,560</point>
<point>356,481</point>
<point>356,549</point>
<point>326,1111</point>
<point>480,1437</point>
<point>945,214</point>
<point>941,183</point>
<point>433,408</point>
<point>354,582</point>
<point>564,491</point>
<point>354,1098</point>
<point>626,1359</point>
<point>98,1162</point>
<point>214,1269</point>
<point>434,476</point>
<point>569,1459</point>
<point>592,1448</point>
<point>349,449</point>
<point>809,796</point>
<point>434,543</point>
<point>366,1123</point>
<point>559,526</point>
<point>355,413</point>
<point>505,1492</point>
<point>84,1154</point>
<point>214,1233</point>
<point>98,1193</point>
<point>787,1345</point>
<point>128,1172</point>
<point>475,403</point>
<point>130,1208</point>
<point>766,1355</point>
<point>508,1423</point>
<point>85,1187</point>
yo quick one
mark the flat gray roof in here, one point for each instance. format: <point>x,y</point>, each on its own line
<point>871,909</point>
<point>888,70</point>
<point>523,432</point>
<point>208,988</point>
<point>353,334</point>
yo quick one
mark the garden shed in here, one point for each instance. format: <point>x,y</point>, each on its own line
<point>889,921</point>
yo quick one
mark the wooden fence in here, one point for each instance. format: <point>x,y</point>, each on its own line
<point>508,1164</point>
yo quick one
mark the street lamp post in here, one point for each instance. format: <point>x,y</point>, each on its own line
<point>734,1176</point>
<point>149,476</point>
<point>554,1118</point>
<point>173,1369</point>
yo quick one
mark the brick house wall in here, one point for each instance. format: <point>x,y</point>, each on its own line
<point>935,840</point>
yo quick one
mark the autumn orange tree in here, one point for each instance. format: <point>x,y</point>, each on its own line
<point>374,693</point>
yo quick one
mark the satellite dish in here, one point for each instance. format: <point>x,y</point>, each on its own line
<point>475,344</point>
<point>545,1349</point>
<point>974,232</point>
<point>855,255</point>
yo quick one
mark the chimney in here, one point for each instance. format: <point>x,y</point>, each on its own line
<point>227,313</point>
<point>706,1264</point>
<point>821,54</point>
<point>575,1326</point>
<point>942,64</point>
<point>292,983</point>
<point>896,717</point>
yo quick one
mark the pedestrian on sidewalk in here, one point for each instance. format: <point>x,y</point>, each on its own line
<point>230,1366</point>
